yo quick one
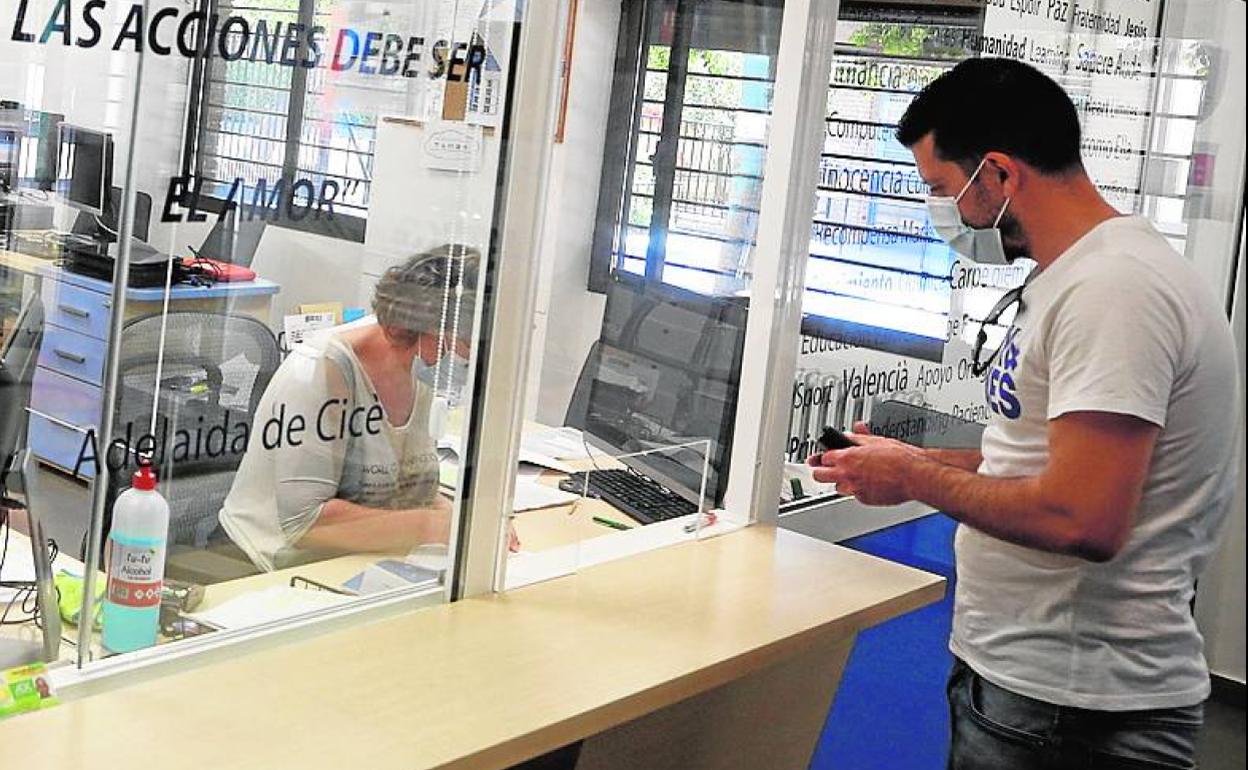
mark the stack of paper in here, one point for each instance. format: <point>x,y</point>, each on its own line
<point>269,604</point>
<point>531,496</point>
<point>19,566</point>
<point>559,443</point>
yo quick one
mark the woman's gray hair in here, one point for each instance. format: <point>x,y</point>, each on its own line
<point>422,294</point>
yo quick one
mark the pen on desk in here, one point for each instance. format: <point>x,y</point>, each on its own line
<point>609,523</point>
<point>704,520</point>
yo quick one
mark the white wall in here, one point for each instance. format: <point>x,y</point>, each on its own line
<point>1222,26</point>
<point>94,88</point>
<point>414,207</point>
<point>569,317</point>
<point>1220,593</point>
<point>1220,597</point>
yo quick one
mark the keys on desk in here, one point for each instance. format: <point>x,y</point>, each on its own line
<point>642,499</point>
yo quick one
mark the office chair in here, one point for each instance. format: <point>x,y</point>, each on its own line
<point>18,356</point>
<point>215,368</point>
<point>90,225</point>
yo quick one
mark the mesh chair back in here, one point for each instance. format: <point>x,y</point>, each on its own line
<point>212,371</point>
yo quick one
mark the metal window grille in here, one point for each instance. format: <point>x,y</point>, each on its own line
<point>267,123</point>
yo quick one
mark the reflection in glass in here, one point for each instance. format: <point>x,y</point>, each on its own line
<point>351,463</point>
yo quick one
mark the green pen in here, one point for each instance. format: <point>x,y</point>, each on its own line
<point>610,523</point>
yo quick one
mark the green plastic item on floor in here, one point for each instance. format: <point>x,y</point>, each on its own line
<point>69,597</point>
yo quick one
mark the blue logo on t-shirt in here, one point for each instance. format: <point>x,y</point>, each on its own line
<point>999,388</point>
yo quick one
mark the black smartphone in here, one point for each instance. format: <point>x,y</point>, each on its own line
<point>831,438</point>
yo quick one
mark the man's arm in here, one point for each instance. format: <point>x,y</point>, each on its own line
<point>1082,504</point>
<point>966,459</point>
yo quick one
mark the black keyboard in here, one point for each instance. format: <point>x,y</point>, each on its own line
<point>642,499</point>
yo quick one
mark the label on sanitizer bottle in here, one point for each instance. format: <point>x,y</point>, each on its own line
<point>136,573</point>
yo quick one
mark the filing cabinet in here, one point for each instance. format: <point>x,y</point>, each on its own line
<point>67,388</point>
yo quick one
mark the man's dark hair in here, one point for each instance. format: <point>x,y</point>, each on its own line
<point>1001,105</point>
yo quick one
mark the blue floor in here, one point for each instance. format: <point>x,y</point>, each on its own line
<point>890,711</point>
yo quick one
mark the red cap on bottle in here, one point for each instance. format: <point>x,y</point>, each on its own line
<point>144,478</point>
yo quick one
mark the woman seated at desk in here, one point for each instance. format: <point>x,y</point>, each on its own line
<point>342,456</point>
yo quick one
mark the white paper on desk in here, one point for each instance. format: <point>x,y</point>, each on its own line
<point>531,496</point>
<point>560,443</point>
<point>269,604</point>
<point>534,458</point>
<point>19,561</point>
<point>19,566</point>
<point>450,443</point>
<point>529,473</point>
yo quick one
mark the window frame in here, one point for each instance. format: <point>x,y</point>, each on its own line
<point>623,138</point>
<point>345,227</point>
<point>626,94</point>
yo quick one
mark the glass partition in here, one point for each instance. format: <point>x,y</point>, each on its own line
<point>646,267</point>
<point>305,193</point>
<point>308,196</point>
<point>891,315</point>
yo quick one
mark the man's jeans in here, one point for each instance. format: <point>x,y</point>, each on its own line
<point>995,729</point>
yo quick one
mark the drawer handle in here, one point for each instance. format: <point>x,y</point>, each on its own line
<point>76,312</point>
<point>68,356</point>
<point>56,420</point>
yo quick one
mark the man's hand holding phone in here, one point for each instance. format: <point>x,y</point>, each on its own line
<point>871,468</point>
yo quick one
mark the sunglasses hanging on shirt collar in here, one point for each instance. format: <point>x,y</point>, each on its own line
<point>979,364</point>
<point>982,245</point>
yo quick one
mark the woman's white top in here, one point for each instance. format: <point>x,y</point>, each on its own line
<point>320,433</point>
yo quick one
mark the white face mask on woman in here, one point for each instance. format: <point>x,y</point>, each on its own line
<point>447,377</point>
<point>983,245</point>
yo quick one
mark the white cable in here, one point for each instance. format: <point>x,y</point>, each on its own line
<point>439,366</point>
<point>459,303</point>
<point>160,347</point>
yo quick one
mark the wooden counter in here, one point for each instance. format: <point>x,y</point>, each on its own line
<point>703,655</point>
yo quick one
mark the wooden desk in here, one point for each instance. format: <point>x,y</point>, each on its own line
<point>723,653</point>
<point>22,263</point>
<point>332,572</point>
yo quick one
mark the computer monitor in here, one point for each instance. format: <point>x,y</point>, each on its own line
<point>665,371</point>
<point>233,239</point>
<point>84,167</point>
<point>10,157</point>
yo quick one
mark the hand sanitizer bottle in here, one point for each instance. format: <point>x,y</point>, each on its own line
<point>136,565</point>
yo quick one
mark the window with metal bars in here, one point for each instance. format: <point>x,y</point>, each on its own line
<point>257,127</point>
<point>683,169</point>
<point>877,275</point>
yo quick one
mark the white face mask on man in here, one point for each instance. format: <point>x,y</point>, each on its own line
<point>983,245</point>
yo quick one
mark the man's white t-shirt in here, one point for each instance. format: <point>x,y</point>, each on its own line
<point>346,448</point>
<point>1119,323</point>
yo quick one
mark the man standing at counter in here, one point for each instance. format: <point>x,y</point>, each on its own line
<point>1108,464</point>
